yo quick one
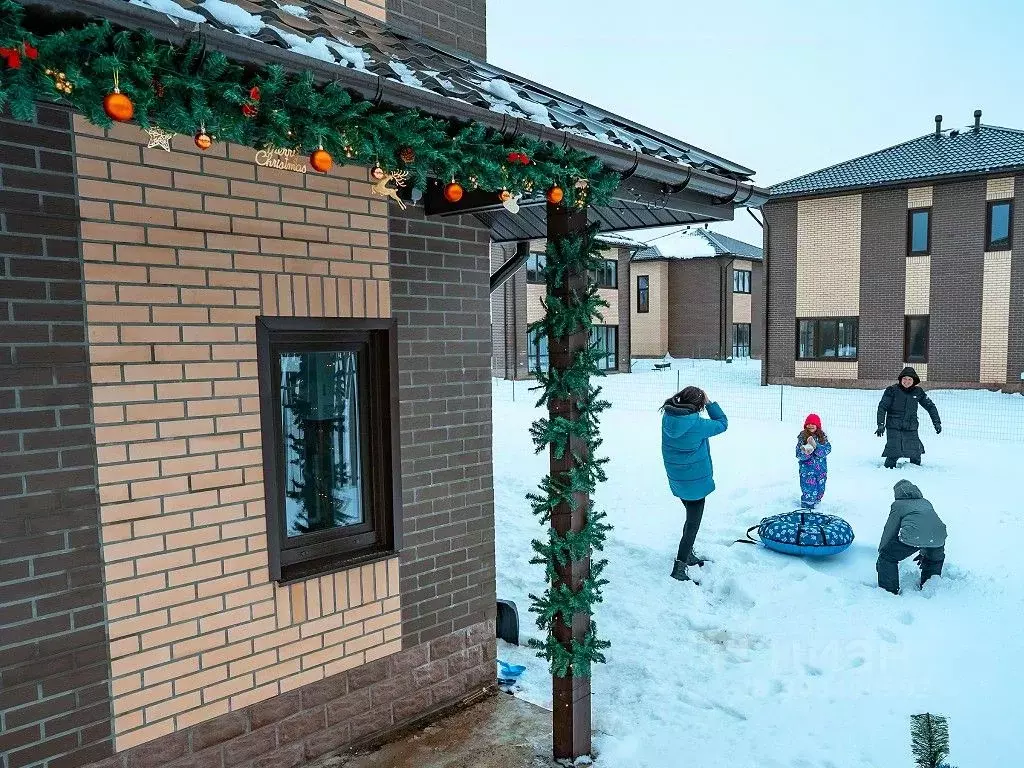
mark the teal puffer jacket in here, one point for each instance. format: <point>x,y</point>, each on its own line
<point>685,450</point>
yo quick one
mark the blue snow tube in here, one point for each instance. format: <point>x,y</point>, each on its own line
<point>805,534</point>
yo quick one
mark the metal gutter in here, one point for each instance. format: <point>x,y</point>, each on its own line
<point>379,89</point>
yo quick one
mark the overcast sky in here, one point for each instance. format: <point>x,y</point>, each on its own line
<point>780,86</point>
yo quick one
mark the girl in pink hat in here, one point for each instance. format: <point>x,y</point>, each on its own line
<point>812,450</point>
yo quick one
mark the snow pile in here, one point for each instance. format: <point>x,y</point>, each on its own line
<point>503,92</point>
<point>778,661</point>
<point>233,17</point>
<point>295,10</point>
<point>170,8</point>
<point>406,74</point>
<point>681,244</point>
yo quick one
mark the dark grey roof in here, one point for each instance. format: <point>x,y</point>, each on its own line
<point>730,246</point>
<point>697,243</point>
<point>328,32</point>
<point>953,153</point>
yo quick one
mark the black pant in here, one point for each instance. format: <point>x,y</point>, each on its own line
<point>694,514</point>
<point>890,463</point>
<point>889,557</point>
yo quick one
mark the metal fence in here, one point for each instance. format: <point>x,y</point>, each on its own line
<point>966,414</point>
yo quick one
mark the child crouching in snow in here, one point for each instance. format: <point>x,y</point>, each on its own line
<point>913,526</point>
<point>812,449</point>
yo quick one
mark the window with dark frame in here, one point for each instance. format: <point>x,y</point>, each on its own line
<point>536,352</point>
<point>643,294</point>
<point>827,338</point>
<point>999,226</point>
<point>741,281</point>
<point>915,339</point>
<point>740,340</point>
<point>919,231</point>
<point>535,264</point>
<point>605,341</point>
<point>329,419</point>
<point>607,275</point>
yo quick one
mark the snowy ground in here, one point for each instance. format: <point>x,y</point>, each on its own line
<point>776,661</point>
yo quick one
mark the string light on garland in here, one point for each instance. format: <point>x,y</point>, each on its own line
<point>118,106</point>
<point>321,160</point>
<point>453,191</point>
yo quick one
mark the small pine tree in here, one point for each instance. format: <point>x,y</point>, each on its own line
<point>929,736</point>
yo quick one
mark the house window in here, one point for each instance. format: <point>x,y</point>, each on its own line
<point>604,339</point>
<point>328,409</point>
<point>915,339</point>
<point>740,340</point>
<point>607,275</point>
<point>643,294</point>
<point>741,281</point>
<point>999,226</point>
<point>827,339</point>
<point>536,352</point>
<point>919,231</point>
<point>535,268</point>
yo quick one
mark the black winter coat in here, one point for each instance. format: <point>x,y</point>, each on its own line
<point>897,413</point>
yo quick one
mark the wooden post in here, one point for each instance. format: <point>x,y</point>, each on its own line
<point>570,695</point>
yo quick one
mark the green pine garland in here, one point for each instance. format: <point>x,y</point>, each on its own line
<point>184,88</point>
<point>567,256</point>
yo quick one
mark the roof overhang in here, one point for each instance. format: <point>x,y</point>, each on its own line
<point>898,184</point>
<point>654,191</point>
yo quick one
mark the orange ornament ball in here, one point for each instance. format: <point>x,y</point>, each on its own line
<point>555,195</point>
<point>504,195</point>
<point>118,107</point>
<point>203,140</point>
<point>321,160</point>
<point>453,192</point>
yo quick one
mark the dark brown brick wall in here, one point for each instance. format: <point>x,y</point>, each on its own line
<point>508,319</point>
<point>757,311</point>
<point>1015,351</point>
<point>781,217</point>
<point>458,24</point>
<point>883,277</point>
<point>695,308</point>
<point>440,271</point>
<point>625,297</point>
<point>957,278</point>
<point>54,670</point>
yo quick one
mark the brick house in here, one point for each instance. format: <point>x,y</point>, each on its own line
<point>516,353</point>
<point>695,295</point>
<point>904,256</point>
<point>170,594</point>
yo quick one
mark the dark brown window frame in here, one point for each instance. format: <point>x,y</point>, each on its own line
<point>534,256</point>
<point>375,342</point>
<point>614,269</point>
<point>910,231</point>
<point>645,308</point>
<point>748,281</point>
<point>991,245</point>
<point>906,338</point>
<point>606,330</point>
<point>750,339</point>
<point>821,358</point>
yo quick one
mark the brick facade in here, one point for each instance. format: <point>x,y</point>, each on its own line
<point>1015,341</point>
<point>54,670</point>
<point>780,302</point>
<point>457,24</point>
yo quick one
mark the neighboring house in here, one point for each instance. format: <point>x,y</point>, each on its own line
<point>519,354</point>
<point>246,477</point>
<point>909,255</point>
<point>697,294</point>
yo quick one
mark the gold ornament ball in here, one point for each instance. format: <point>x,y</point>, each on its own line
<point>118,106</point>
<point>321,160</point>
<point>453,192</point>
<point>504,195</point>
<point>555,195</point>
<point>377,172</point>
<point>203,140</point>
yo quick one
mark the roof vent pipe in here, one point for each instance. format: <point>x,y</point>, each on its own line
<point>977,121</point>
<point>938,126</point>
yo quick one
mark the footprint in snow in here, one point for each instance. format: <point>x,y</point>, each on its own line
<point>906,618</point>
<point>888,635</point>
<point>813,671</point>
<point>857,661</point>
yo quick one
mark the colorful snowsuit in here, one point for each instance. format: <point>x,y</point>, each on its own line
<point>813,472</point>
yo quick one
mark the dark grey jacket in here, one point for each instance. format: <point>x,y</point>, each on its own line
<point>912,518</point>
<point>897,414</point>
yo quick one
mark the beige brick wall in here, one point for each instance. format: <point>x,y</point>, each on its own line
<point>812,369</point>
<point>374,8</point>
<point>995,317</point>
<point>828,257</point>
<point>182,251</point>
<point>535,302</point>
<point>535,293</point>
<point>999,189</point>
<point>649,330</point>
<point>919,197</point>
<point>921,368</point>
<point>917,291</point>
<point>742,302</point>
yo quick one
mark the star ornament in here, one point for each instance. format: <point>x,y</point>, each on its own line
<point>159,139</point>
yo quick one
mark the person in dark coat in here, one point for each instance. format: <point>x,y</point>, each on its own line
<point>897,418</point>
<point>687,457</point>
<point>913,526</point>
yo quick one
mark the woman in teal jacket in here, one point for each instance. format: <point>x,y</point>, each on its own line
<point>687,457</point>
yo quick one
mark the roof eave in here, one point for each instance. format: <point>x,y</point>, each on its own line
<point>378,89</point>
<point>911,182</point>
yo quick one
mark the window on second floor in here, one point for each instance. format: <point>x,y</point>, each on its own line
<point>643,294</point>
<point>535,263</point>
<point>607,275</point>
<point>999,226</point>
<point>919,231</point>
<point>741,281</point>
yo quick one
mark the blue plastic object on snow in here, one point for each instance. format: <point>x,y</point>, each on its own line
<point>804,534</point>
<point>510,671</point>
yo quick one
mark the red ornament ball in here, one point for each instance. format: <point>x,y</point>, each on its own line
<point>118,106</point>
<point>555,195</point>
<point>377,173</point>
<point>321,160</point>
<point>453,192</point>
<point>203,140</point>
<point>250,110</point>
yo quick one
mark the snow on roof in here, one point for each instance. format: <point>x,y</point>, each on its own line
<point>693,243</point>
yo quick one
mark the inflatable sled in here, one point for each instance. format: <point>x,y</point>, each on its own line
<point>802,533</point>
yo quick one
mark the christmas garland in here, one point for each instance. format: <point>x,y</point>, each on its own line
<point>111,75</point>
<point>567,256</point>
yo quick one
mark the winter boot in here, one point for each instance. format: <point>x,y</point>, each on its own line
<point>695,559</point>
<point>916,462</point>
<point>890,463</point>
<point>679,572</point>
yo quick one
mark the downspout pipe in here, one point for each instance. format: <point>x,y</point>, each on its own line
<point>511,266</point>
<point>765,272</point>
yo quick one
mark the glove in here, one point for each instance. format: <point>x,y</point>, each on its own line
<point>880,431</point>
<point>919,559</point>
<point>938,429</point>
